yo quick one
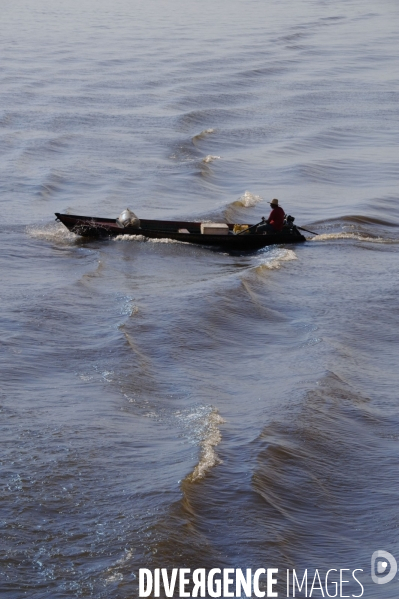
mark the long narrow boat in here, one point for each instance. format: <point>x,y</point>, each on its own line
<point>185,231</point>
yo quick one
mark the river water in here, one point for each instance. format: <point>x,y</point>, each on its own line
<point>165,405</point>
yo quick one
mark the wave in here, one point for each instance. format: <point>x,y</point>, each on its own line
<point>210,158</point>
<point>210,438</point>
<point>199,425</point>
<point>333,446</point>
<point>359,219</point>
<point>59,144</point>
<point>176,533</point>
<point>357,227</point>
<point>293,37</point>
<point>187,151</point>
<point>279,67</point>
<point>53,184</point>
<point>113,573</point>
<point>330,138</point>
<point>202,135</point>
<point>341,172</point>
<point>247,200</point>
<point>356,236</point>
<point>275,258</point>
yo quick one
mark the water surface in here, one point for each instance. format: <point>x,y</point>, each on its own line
<point>166,405</point>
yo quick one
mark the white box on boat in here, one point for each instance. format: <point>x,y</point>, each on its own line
<point>214,229</point>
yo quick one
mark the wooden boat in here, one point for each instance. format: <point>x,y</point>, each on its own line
<point>185,231</point>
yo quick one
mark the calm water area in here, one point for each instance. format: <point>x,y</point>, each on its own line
<point>165,405</point>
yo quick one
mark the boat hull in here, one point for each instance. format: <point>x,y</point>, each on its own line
<point>88,226</point>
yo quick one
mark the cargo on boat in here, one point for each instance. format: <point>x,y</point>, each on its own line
<point>228,236</point>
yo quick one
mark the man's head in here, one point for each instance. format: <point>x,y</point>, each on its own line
<point>274,203</point>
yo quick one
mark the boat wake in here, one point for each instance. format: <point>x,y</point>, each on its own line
<point>274,259</point>
<point>202,135</point>
<point>356,236</point>
<point>177,532</point>
<point>210,158</point>
<point>113,573</point>
<point>210,436</point>
<point>199,425</point>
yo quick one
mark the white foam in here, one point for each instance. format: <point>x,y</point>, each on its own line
<point>210,437</point>
<point>164,240</point>
<point>199,425</point>
<point>203,133</point>
<point>86,377</point>
<point>273,260</point>
<point>248,200</point>
<point>210,158</point>
<point>129,308</point>
<point>207,131</point>
<point>113,574</point>
<point>107,375</point>
<point>357,236</point>
<point>115,577</point>
<point>130,238</point>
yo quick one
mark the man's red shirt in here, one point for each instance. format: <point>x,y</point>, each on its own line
<point>276,218</point>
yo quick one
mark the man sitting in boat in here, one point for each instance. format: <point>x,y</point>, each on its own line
<point>275,222</point>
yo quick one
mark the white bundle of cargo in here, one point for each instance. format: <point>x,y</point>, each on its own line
<point>127,218</point>
<point>214,229</point>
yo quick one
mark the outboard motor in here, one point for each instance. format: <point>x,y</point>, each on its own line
<point>127,219</point>
<point>289,221</point>
<point>289,224</point>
